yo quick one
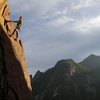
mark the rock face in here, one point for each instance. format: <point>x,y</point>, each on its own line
<point>68,80</point>
<point>91,61</point>
<point>61,82</point>
<point>13,69</point>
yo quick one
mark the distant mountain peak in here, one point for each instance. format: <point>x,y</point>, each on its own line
<point>69,66</point>
<point>92,61</point>
<point>64,61</point>
<point>38,74</point>
<point>65,76</point>
<point>93,55</point>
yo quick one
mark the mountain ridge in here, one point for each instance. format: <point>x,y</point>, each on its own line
<point>92,61</point>
<point>67,80</point>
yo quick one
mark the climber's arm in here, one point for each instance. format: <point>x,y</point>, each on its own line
<point>14,21</point>
<point>11,21</point>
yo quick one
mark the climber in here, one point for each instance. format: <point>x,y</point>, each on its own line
<point>18,25</point>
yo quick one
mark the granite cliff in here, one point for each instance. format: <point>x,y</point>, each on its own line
<point>14,79</point>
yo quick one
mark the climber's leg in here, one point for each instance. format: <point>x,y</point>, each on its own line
<point>7,28</point>
<point>16,36</point>
<point>13,32</point>
<point>20,43</point>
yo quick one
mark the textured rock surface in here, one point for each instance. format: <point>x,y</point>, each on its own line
<point>18,78</point>
<point>61,82</point>
<point>68,80</point>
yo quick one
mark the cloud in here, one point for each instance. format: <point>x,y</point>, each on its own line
<point>84,4</point>
<point>60,21</point>
<point>88,24</point>
<point>36,7</point>
<point>57,29</point>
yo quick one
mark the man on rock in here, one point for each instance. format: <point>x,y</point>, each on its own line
<point>18,26</point>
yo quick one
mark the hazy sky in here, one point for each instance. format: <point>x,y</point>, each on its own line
<point>57,29</point>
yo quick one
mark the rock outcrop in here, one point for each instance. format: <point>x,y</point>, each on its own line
<point>62,82</point>
<point>14,79</point>
<point>69,80</point>
<point>92,61</point>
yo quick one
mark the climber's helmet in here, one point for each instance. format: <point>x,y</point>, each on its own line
<point>21,17</point>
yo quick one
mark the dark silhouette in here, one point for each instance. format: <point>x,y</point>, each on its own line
<point>20,42</point>
<point>69,80</point>
<point>3,75</point>
<point>14,92</point>
<point>17,27</point>
<point>11,88</point>
<point>4,86</point>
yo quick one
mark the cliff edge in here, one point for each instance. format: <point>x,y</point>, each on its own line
<point>14,79</point>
